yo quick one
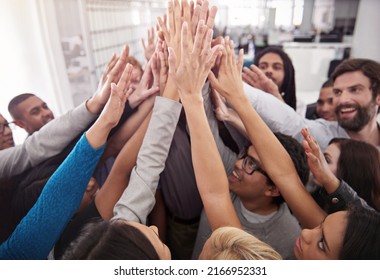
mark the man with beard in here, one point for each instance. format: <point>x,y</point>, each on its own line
<point>356,99</point>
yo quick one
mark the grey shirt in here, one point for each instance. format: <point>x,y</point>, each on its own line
<point>280,231</point>
<point>49,141</point>
<point>138,200</point>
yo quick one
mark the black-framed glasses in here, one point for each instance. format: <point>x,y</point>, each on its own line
<point>250,165</point>
<point>11,125</point>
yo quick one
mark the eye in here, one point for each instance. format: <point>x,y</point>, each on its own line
<point>321,245</point>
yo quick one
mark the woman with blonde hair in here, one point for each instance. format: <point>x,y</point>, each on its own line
<point>231,243</point>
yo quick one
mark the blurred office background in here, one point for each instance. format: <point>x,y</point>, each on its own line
<point>58,48</point>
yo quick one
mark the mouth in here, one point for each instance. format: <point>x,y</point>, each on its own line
<point>298,244</point>
<point>347,112</point>
<point>234,177</point>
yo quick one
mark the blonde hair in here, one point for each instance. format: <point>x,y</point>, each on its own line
<point>230,243</point>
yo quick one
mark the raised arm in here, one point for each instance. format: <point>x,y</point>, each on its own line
<point>195,64</point>
<point>38,231</point>
<point>276,161</point>
<point>57,134</point>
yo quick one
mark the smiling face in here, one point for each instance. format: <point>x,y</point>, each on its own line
<point>244,185</point>
<point>325,104</point>
<point>34,114</point>
<point>152,234</point>
<point>354,104</point>
<point>324,242</point>
<point>273,67</point>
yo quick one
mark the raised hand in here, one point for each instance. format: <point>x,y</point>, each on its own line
<point>112,111</point>
<point>256,78</point>
<point>222,112</point>
<point>229,81</point>
<point>112,74</point>
<point>149,83</point>
<point>317,163</point>
<point>196,61</point>
<point>151,44</point>
<point>172,35</point>
<point>162,51</point>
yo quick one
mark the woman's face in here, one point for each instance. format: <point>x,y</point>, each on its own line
<point>332,154</point>
<point>323,242</point>
<point>152,234</point>
<point>273,67</point>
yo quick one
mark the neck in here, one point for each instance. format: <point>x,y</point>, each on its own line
<point>262,208</point>
<point>370,133</point>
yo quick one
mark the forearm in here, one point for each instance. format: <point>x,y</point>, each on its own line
<point>208,168</point>
<point>50,140</point>
<point>38,231</point>
<point>137,200</point>
<point>278,164</point>
<point>118,178</point>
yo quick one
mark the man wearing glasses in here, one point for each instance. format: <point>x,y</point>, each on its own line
<point>258,203</point>
<point>6,136</point>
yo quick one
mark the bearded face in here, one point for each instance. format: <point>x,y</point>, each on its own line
<point>361,115</point>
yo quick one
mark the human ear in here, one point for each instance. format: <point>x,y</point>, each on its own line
<point>272,191</point>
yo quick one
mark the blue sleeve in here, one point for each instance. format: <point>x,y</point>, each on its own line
<point>39,230</point>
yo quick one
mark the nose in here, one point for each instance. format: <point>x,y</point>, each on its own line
<point>307,235</point>
<point>239,163</point>
<point>155,229</point>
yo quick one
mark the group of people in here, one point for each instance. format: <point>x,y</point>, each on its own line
<point>142,170</point>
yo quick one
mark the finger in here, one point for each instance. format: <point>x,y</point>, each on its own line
<point>198,40</point>
<point>184,42</point>
<point>211,17</point>
<point>125,77</point>
<point>207,43</point>
<point>213,81</point>
<point>215,53</point>
<point>171,18</point>
<point>240,60</point>
<point>177,16</point>
<point>186,11</point>
<point>259,74</point>
<point>164,30</point>
<point>204,10</point>
<point>116,72</point>
<point>172,62</point>
<point>143,43</point>
<point>110,65</point>
<point>195,19</point>
<point>191,8</point>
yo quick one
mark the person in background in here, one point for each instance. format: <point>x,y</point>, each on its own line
<point>324,107</point>
<point>29,112</point>
<point>278,67</point>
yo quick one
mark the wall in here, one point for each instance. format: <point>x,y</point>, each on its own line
<point>366,40</point>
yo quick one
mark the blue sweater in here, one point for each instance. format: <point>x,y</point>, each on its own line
<point>39,230</point>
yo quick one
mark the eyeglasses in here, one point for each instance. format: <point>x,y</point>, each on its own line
<point>250,165</point>
<point>11,125</point>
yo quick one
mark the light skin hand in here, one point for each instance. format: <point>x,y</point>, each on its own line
<point>222,112</point>
<point>149,83</point>
<point>317,163</point>
<point>112,74</point>
<point>151,44</point>
<point>114,108</point>
<point>229,82</point>
<point>196,61</point>
<point>163,65</point>
<point>257,79</point>
<point>173,35</point>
